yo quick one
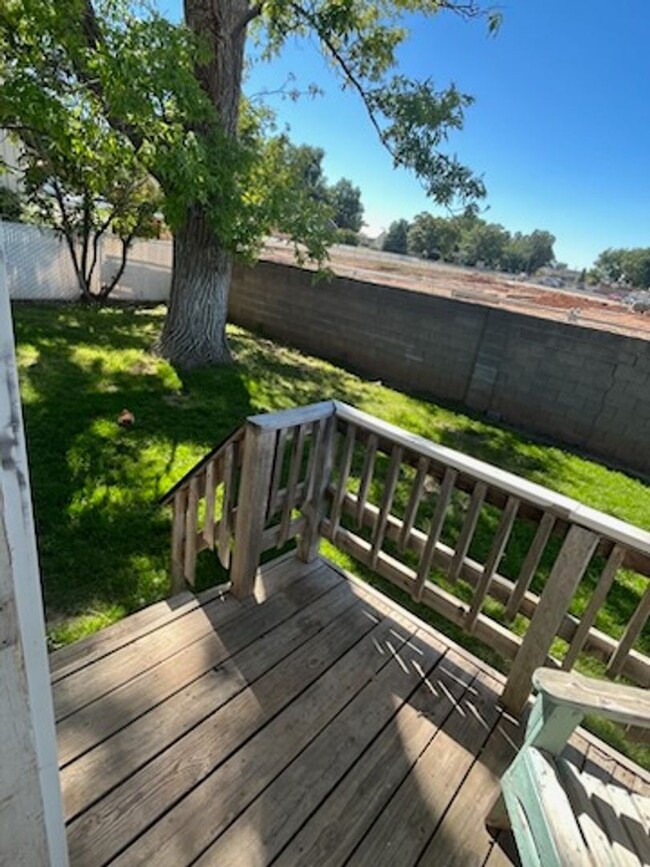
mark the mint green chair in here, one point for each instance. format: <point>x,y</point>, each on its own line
<point>561,816</point>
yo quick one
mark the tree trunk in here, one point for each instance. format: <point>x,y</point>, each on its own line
<point>195,327</point>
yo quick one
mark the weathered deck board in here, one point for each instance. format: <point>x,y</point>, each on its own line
<point>406,823</point>
<point>145,797</point>
<point>96,772</point>
<point>317,723</point>
<point>333,832</point>
<point>358,650</point>
<point>459,838</point>
<point>295,794</point>
<point>128,701</point>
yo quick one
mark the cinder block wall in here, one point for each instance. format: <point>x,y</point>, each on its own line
<point>581,386</point>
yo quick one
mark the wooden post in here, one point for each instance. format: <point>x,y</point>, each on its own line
<point>191,519</point>
<point>178,541</point>
<point>257,466</point>
<point>314,508</point>
<point>573,559</point>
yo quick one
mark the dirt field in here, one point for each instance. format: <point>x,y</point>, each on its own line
<point>477,287</point>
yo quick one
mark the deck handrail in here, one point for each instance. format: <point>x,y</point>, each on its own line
<point>196,468</point>
<point>214,474</point>
<point>314,471</point>
<point>564,507</point>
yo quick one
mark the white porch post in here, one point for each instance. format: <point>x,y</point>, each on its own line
<point>32,831</point>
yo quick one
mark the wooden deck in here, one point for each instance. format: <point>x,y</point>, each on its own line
<point>317,723</point>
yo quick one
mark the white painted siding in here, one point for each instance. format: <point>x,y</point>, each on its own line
<point>32,832</point>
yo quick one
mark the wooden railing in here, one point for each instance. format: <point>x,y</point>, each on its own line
<point>204,506</point>
<point>262,486</point>
<point>438,524</point>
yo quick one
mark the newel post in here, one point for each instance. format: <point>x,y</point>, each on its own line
<point>568,569</point>
<point>257,466</point>
<point>314,507</point>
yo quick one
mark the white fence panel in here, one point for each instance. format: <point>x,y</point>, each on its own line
<point>147,276</point>
<point>38,264</point>
<point>39,267</point>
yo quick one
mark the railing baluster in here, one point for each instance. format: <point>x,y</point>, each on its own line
<point>191,516</point>
<point>310,443</point>
<point>314,505</point>
<point>318,436</point>
<point>341,489</point>
<point>278,464</point>
<point>386,503</point>
<point>225,524</point>
<point>253,497</point>
<point>414,502</point>
<point>178,541</point>
<point>210,492</point>
<point>467,531</point>
<point>634,627</point>
<point>529,566</point>
<point>366,476</point>
<point>496,553</point>
<point>446,490</point>
<point>290,492</point>
<point>614,563</point>
<point>566,574</point>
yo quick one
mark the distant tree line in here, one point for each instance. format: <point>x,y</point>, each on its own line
<point>631,266</point>
<point>470,240</point>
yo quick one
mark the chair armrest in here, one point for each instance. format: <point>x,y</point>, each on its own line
<point>629,705</point>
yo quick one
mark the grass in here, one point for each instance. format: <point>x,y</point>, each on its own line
<point>103,538</point>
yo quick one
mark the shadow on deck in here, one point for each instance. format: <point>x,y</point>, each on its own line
<point>314,723</point>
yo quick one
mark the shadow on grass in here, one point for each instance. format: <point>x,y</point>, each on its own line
<point>104,540</point>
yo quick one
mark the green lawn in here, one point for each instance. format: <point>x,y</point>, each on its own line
<point>103,538</point>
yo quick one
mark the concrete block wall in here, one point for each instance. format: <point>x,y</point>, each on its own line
<point>385,333</point>
<point>583,387</point>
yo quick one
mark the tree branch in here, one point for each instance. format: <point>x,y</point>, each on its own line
<point>106,290</point>
<point>90,25</point>
<point>254,12</point>
<point>68,234</point>
<point>96,238</point>
<point>347,71</point>
<point>92,33</point>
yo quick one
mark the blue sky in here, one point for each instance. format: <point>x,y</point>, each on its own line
<point>560,129</point>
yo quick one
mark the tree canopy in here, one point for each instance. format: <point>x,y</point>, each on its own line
<point>343,198</point>
<point>630,266</point>
<point>395,240</point>
<point>166,100</point>
<point>10,205</point>
<point>432,237</point>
